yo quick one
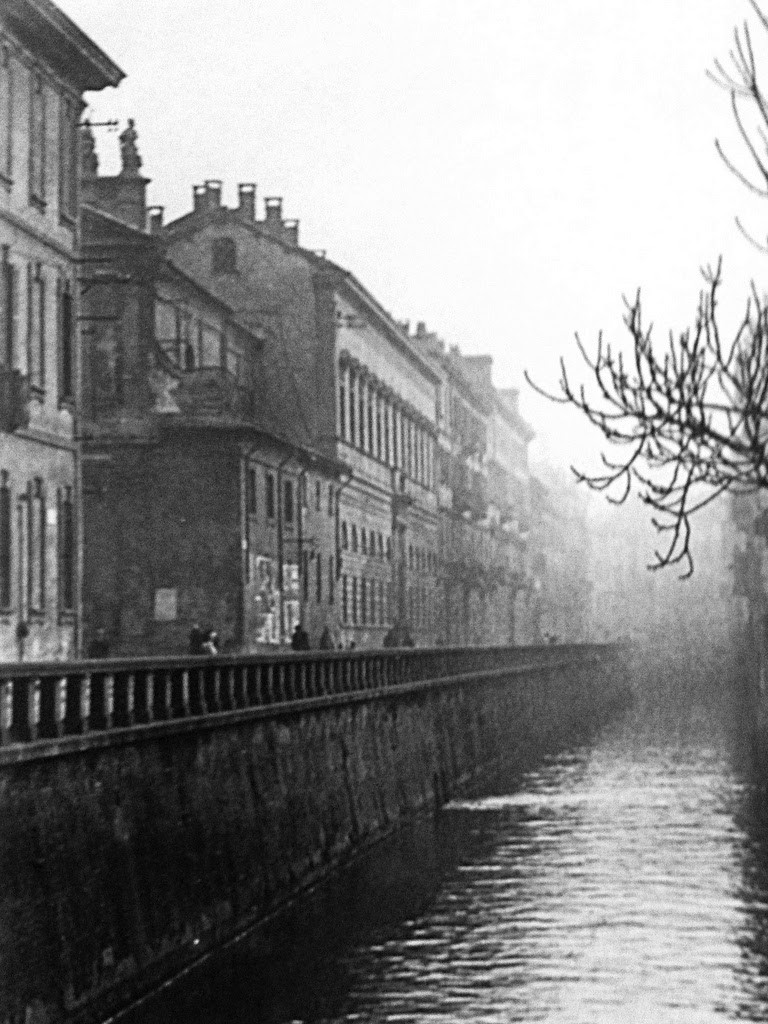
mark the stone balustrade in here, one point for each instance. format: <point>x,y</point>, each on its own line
<point>50,701</point>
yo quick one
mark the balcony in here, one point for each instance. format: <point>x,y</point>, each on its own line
<point>212,393</point>
<point>14,400</point>
<point>470,494</point>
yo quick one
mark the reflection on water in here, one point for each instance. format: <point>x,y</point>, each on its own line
<point>623,880</point>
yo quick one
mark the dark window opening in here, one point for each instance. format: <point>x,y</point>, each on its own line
<point>288,502</point>
<point>270,502</point>
<point>5,541</point>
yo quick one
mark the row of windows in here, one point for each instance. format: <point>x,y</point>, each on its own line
<point>38,283</point>
<point>290,496</point>
<point>23,537</point>
<point>191,343</point>
<point>41,100</point>
<point>369,420</point>
<point>369,602</point>
<point>365,602</point>
<point>366,541</point>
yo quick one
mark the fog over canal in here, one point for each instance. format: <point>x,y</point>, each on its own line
<point>624,878</point>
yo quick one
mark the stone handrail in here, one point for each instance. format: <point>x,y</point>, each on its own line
<point>51,700</point>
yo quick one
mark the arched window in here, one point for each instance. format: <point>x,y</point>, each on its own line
<point>389,549</point>
<point>381,546</point>
<point>354,538</point>
<point>344,536</point>
<point>224,256</point>
<point>363,541</point>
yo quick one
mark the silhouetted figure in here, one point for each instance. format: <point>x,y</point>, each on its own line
<point>196,639</point>
<point>300,638</point>
<point>326,640</point>
<point>99,646</point>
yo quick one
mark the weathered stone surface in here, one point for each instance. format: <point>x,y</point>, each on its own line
<point>122,864</point>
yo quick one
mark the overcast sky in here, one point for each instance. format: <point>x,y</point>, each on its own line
<point>502,169</point>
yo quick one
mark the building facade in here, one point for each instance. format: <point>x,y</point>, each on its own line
<point>196,511</point>
<point>345,381</point>
<point>46,63</point>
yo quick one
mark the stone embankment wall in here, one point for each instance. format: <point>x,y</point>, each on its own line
<point>128,852</point>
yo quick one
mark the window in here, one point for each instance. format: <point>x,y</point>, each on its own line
<point>344,600</point>
<point>363,601</point>
<point>363,541</point>
<point>66,551</point>
<point>386,433</point>
<point>36,535</point>
<point>369,407</point>
<point>381,547</point>
<point>318,578</point>
<point>223,256</point>
<point>330,499</point>
<point>410,556</point>
<point>66,349</point>
<point>37,139</point>
<point>352,435</point>
<point>252,491</point>
<point>269,479</point>
<point>5,541</point>
<point>354,601</point>
<point>377,402</point>
<point>354,539</point>
<point>210,346</point>
<point>234,357</point>
<point>305,575</point>
<point>36,326</point>
<point>361,406</point>
<point>344,536</point>
<point>9,309</point>
<point>68,153</point>
<point>342,412</point>
<point>331,580</point>
<point>288,502</point>
<point>389,549</point>
<point>6,114</point>
<point>318,495</point>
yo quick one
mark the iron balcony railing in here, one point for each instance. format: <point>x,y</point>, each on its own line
<point>48,701</point>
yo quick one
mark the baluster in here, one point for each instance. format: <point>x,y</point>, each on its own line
<point>6,711</point>
<point>230,700</point>
<point>84,704</point>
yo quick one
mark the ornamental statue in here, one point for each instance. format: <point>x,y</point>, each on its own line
<point>129,153</point>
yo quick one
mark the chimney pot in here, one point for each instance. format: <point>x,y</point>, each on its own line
<point>213,190</point>
<point>273,213</point>
<point>291,231</point>
<point>199,197</point>
<point>156,219</point>
<point>246,195</point>
<point>421,329</point>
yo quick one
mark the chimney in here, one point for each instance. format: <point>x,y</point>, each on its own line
<point>213,190</point>
<point>273,221</point>
<point>291,231</point>
<point>246,195</point>
<point>156,219</point>
<point>421,329</point>
<point>199,198</point>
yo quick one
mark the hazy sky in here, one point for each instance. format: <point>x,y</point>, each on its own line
<point>502,169</point>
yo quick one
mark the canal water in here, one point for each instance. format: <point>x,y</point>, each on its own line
<point>623,878</point>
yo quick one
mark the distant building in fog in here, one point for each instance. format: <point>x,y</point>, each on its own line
<point>46,63</point>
